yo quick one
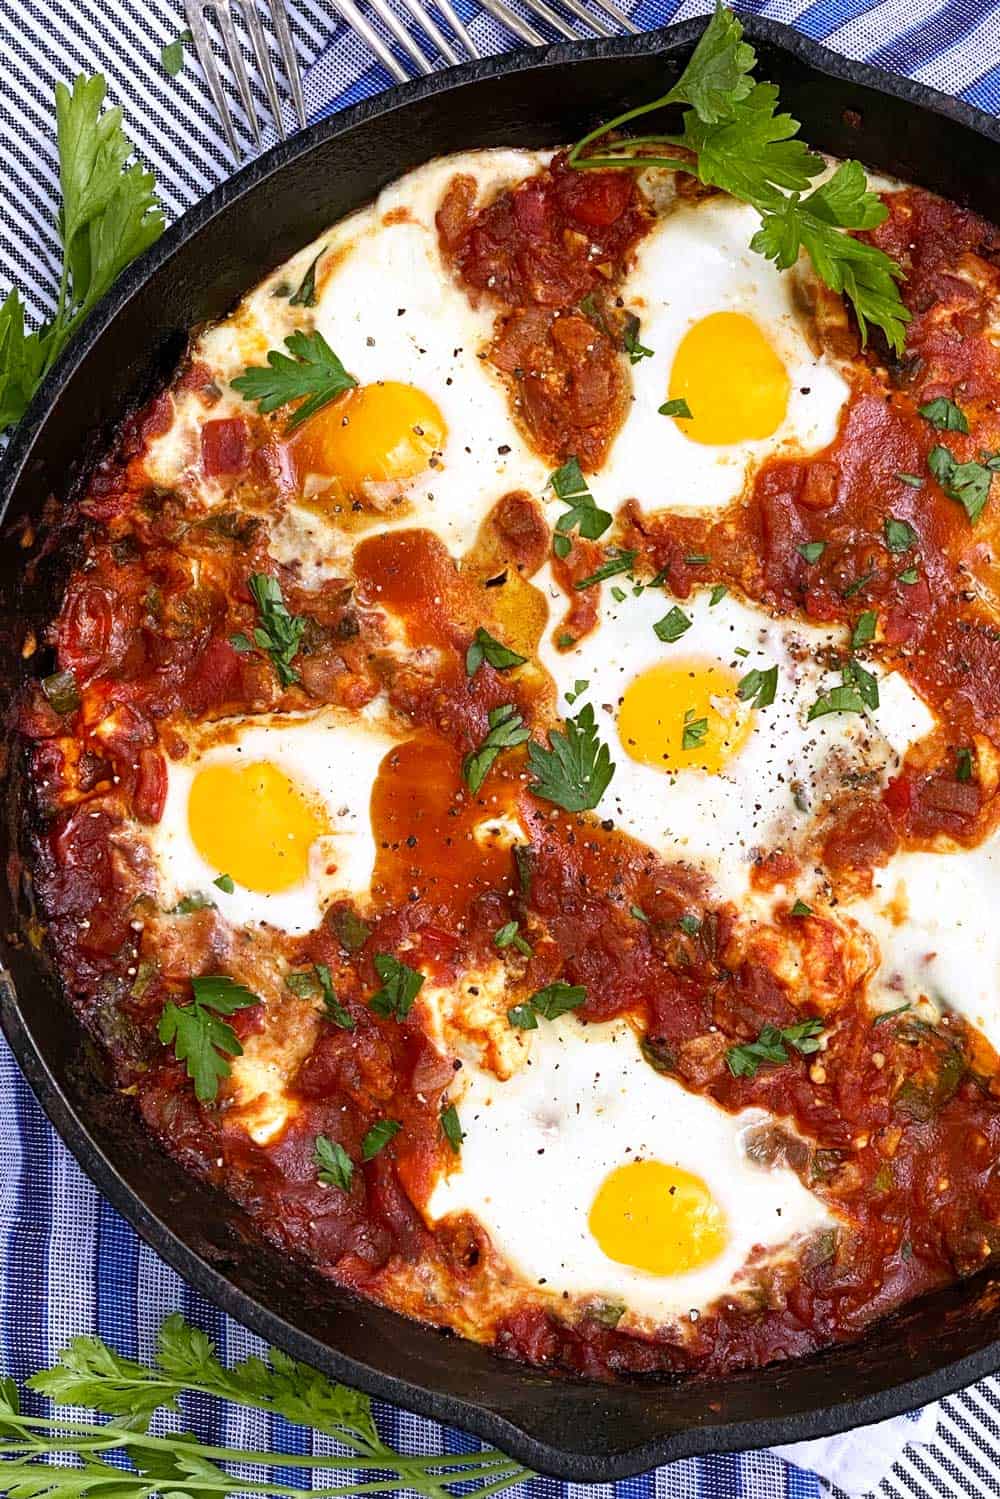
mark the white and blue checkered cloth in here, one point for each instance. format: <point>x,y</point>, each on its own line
<point>69,1264</point>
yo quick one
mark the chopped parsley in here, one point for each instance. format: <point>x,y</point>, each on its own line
<point>899,534</point>
<point>306,294</point>
<point>677,407</point>
<point>689,924</point>
<point>967,483</point>
<point>694,733</point>
<point>630,340</point>
<point>486,647</point>
<point>944,415</point>
<point>334,1166</point>
<point>619,561</point>
<point>910,576</point>
<point>548,1003</point>
<point>506,731</point>
<point>857,585</point>
<point>864,629</point>
<point>451,1127</point>
<point>583,515</point>
<point>812,551</point>
<point>172,53</point>
<point>758,687</point>
<point>639,914</point>
<point>224,882</point>
<point>378,1137</point>
<point>963,765</point>
<point>717,595</point>
<point>278,634</point>
<point>801,909</point>
<point>844,699</point>
<point>772,1046</point>
<point>400,987</point>
<point>509,935</point>
<point>575,770</point>
<point>318,984</point>
<point>199,1038</point>
<point>913,480</point>
<point>672,626</point>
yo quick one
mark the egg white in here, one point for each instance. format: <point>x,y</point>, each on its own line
<point>695,261</point>
<point>778,780</point>
<point>333,757</point>
<point>539,1145</point>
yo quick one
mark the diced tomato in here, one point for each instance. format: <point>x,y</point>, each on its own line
<point>899,796</point>
<point>224,446</point>
<point>150,786</point>
<point>85,630</point>
<point>596,199</point>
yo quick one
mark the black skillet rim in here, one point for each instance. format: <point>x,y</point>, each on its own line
<point>485,1423</point>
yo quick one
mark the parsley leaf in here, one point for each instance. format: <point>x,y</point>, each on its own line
<point>549,1003</point>
<point>864,629</point>
<point>400,987</point>
<point>305,296</point>
<point>336,1169</point>
<point>509,935</point>
<point>225,883</point>
<point>963,765</point>
<point>968,483</point>
<point>758,687</point>
<point>378,1137</point>
<point>801,909</point>
<point>630,341</point>
<point>944,415</point>
<point>619,561</point>
<point>812,551</point>
<point>451,1127</point>
<point>109,215</point>
<point>310,369</point>
<point>899,534</point>
<point>318,984</point>
<point>172,54</point>
<point>583,514</point>
<point>678,408</point>
<point>844,699</point>
<point>694,734</point>
<point>278,633</point>
<point>717,595</point>
<point>506,731</point>
<point>576,769</point>
<point>199,1037</point>
<point>740,143</point>
<point>855,675</point>
<point>485,647</point>
<point>672,626</point>
<point>772,1046</point>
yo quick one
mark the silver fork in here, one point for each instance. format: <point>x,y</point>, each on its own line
<point>196,11</point>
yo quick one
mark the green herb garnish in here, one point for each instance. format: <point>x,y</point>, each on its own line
<point>944,415</point>
<point>583,515</point>
<point>549,1003</point>
<point>451,1127</point>
<point>967,483</point>
<point>278,634</point>
<point>758,687</point>
<point>864,629</point>
<point>617,562</point>
<point>305,296</point>
<point>509,935</point>
<point>672,626</point>
<point>630,340</point>
<point>225,883</point>
<point>574,771</point>
<point>733,138</point>
<point>400,987</point>
<point>899,534</point>
<point>506,731</point>
<point>677,407</point>
<point>772,1046</point>
<point>695,731</point>
<point>963,765</point>
<point>812,551</point>
<point>378,1137</point>
<point>199,1038</point>
<point>485,647</point>
<point>310,372</point>
<point>335,1167</point>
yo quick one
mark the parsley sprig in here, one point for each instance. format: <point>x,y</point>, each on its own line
<point>732,137</point>
<point>310,372</point>
<point>57,1456</point>
<point>576,769</point>
<point>506,731</point>
<point>549,1003</point>
<point>772,1046</point>
<point>400,987</point>
<point>199,1038</point>
<point>278,633</point>
<point>967,483</point>
<point>583,514</point>
<point>109,215</point>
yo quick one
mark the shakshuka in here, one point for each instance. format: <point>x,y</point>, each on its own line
<point>515,790</point>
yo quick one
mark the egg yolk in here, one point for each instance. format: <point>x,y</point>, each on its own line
<point>683,714</point>
<point>373,434</point>
<point>735,385</point>
<point>253,823</point>
<point>657,1218</point>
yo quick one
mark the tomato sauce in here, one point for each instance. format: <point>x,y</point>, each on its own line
<point>896,1125</point>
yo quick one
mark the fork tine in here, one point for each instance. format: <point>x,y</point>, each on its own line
<point>289,59</point>
<point>596,23</point>
<point>263,55</point>
<point>455,22</point>
<point>430,26</point>
<point>513,22</point>
<point>610,9</point>
<point>401,34</point>
<point>234,52</point>
<point>203,47</point>
<point>371,38</point>
<point>543,10</point>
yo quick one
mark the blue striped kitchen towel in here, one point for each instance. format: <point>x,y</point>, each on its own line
<point>69,1263</point>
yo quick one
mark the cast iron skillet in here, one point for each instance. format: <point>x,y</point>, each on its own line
<point>585,1431</point>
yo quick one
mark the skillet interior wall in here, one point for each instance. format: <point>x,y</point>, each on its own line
<point>253,224</point>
